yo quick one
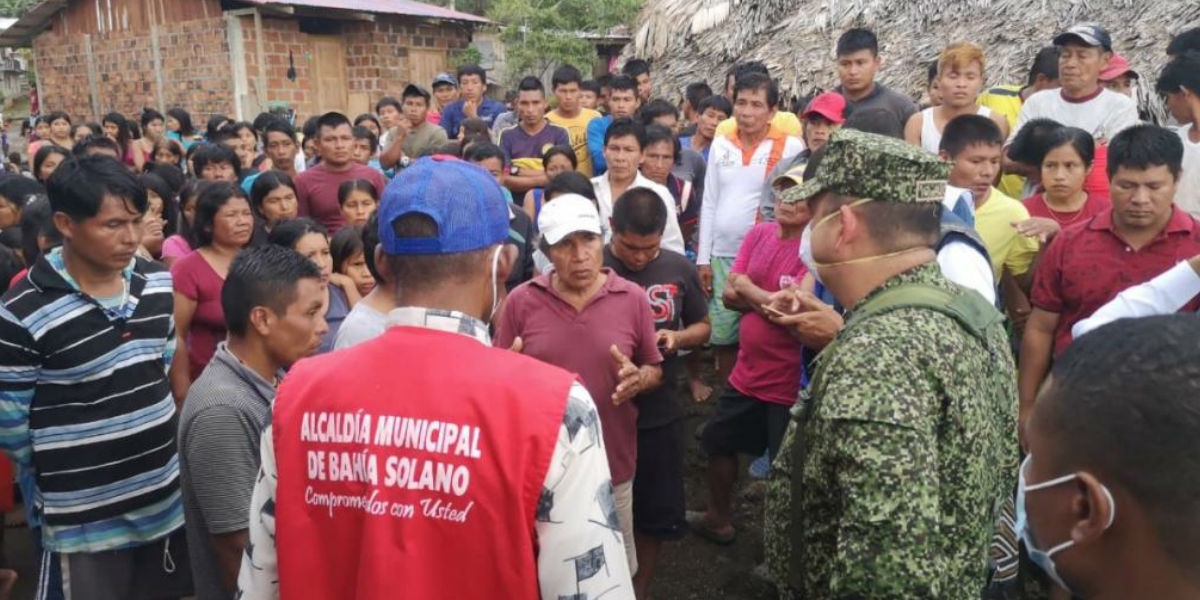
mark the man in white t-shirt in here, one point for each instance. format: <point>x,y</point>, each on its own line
<point>1082,101</point>
<point>738,164</point>
<point>1180,83</point>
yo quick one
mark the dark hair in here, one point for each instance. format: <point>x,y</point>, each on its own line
<point>592,86</point>
<point>657,133</point>
<point>1144,147</point>
<point>149,115</point>
<point>171,174</point>
<point>57,115</point>
<point>332,120</point>
<point>212,198</point>
<point>969,130</point>
<point>278,126</point>
<point>878,120</point>
<point>1184,41</point>
<point>894,225</point>
<point>529,83</point>
<point>370,240</point>
<point>635,68</point>
<point>362,133</point>
<point>215,153</point>
<point>96,142</point>
<point>88,126</point>
<point>215,123</point>
<point>344,245</point>
<point>1182,72</point>
<point>622,82</point>
<point>37,219</point>
<point>171,145</point>
<point>1030,144</point>
<point>472,70</point>
<point>564,75</point>
<point>310,128</point>
<point>416,92</point>
<point>695,93</point>
<point>1076,138</point>
<point>262,276</point>
<point>388,101</point>
<point>571,182</point>
<point>560,150</point>
<point>932,74</point>
<point>352,185</point>
<point>716,102</point>
<point>264,184</point>
<point>657,108</point>
<point>190,192</point>
<point>854,40</point>
<point>1045,63</point>
<point>482,151</point>
<point>476,126</point>
<point>639,211</point>
<point>185,121</point>
<point>154,183</point>
<point>604,79</point>
<point>757,81</point>
<point>124,135</point>
<point>360,119</point>
<point>264,118</point>
<point>1135,380</point>
<point>288,233</point>
<point>10,264</point>
<point>43,153</point>
<point>236,129</point>
<point>78,187</point>
<point>625,126</point>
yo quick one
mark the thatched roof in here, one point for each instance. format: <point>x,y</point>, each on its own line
<point>689,40</point>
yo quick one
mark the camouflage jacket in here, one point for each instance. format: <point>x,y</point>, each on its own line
<point>908,450</point>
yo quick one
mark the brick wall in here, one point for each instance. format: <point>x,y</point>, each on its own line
<point>280,36</point>
<point>195,70</point>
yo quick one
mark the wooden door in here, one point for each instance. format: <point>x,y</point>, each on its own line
<point>424,65</point>
<point>329,69</point>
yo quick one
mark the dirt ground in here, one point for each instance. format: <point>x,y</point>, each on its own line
<point>695,569</point>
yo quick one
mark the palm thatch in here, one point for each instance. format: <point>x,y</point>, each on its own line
<point>690,40</point>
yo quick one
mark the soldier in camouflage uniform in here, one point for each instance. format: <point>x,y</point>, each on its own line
<point>906,446</point>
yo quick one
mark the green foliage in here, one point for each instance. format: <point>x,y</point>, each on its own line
<point>540,33</point>
<point>14,9</point>
<point>467,56</point>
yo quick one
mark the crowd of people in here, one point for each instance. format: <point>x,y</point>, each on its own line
<point>444,349</point>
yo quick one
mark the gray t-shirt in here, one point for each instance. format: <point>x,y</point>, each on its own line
<point>766,205</point>
<point>219,434</point>
<point>691,168</point>
<point>883,97</point>
<point>362,324</point>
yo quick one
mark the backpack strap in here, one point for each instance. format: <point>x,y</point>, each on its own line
<point>971,310</point>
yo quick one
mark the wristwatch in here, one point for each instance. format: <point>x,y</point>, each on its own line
<point>405,161</point>
<point>514,170</point>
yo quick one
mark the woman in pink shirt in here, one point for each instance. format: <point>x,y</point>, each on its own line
<point>1063,202</point>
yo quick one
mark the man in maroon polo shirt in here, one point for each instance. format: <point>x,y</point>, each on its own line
<point>588,320</point>
<point>1087,265</point>
<point>317,187</point>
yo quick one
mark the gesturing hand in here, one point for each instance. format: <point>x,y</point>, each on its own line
<point>629,376</point>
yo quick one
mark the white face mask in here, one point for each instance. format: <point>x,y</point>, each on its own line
<point>495,283</point>
<point>806,253</point>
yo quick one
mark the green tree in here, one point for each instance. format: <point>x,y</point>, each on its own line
<point>14,9</point>
<point>540,33</point>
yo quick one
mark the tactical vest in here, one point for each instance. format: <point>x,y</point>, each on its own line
<point>970,310</point>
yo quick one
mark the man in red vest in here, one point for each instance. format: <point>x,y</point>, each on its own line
<point>425,463</point>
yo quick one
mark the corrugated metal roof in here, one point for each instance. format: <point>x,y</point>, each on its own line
<point>22,32</point>
<point>390,7</point>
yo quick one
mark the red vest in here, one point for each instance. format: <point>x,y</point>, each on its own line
<point>411,467</point>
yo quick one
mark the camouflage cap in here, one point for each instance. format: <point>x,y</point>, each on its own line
<point>865,165</point>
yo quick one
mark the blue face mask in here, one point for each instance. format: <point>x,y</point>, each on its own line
<point>1045,558</point>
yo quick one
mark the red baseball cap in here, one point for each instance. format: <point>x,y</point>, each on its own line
<point>1117,66</point>
<point>830,105</point>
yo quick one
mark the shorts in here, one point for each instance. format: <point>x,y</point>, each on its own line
<point>160,569</point>
<point>658,500</point>
<point>623,496</point>
<point>743,425</point>
<point>724,321</point>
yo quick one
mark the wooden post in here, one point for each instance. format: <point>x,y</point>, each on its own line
<point>237,60</point>
<point>92,77</point>
<point>156,58</point>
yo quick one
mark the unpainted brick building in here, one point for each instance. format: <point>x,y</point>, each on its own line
<point>236,58</point>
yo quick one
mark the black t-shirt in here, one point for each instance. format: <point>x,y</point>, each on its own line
<point>677,300</point>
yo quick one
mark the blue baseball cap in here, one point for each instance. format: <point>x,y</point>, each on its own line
<point>463,199</point>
